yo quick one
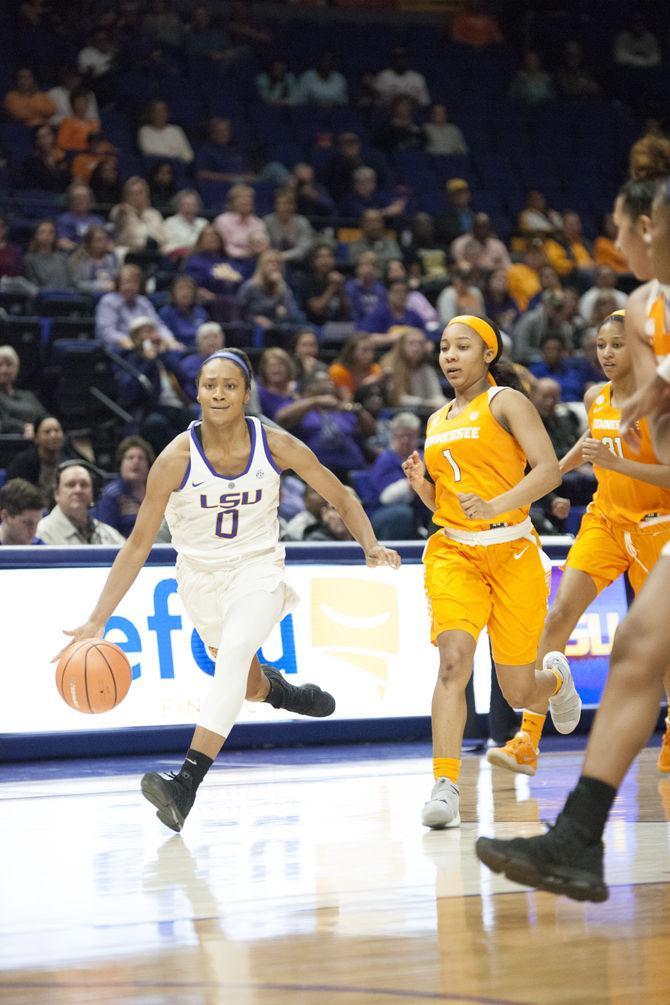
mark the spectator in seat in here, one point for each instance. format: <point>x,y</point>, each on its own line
<point>365,291</point>
<point>394,313</point>
<point>277,86</point>
<point>290,233</point>
<point>137,225</point>
<point>605,282</point>
<point>398,81</point>
<point>312,198</point>
<point>73,225</point>
<point>25,103</point>
<point>115,312</point>
<point>425,254</point>
<point>75,129</point>
<point>570,253</point>
<point>104,180</point>
<point>323,85</point>
<point>398,512</point>
<point>220,159</point>
<point>412,379</point>
<point>183,315</point>
<point>348,157</point>
<point>85,166</point>
<point>573,78</point>
<point>160,138</point>
<point>239,222</point>
<point>20,409</point>
<point>210,268</point>
<point>462,297</point>
<point>163,24</point>
<point>94,266</point>
<point>305,354</point>
<point>276,381</point>
<point>534,327</point>
<point>537,219</point>
<point>458,217</point>
<point>43,264</point>
<point>605,250</point>
<point>308,520</point>
<point>46,168</point>
<point>566,371</point>
<point>490,253</point>
<point>206,41</point>
<point>185,369</point>
<point>532,84</point>
<point>365,195</point>
<point>71,80</point>
<point>97,59</point>
<point>323,293</point>
<point>562,426</point>
<point>182,230</point>
<point>70,522</point>
<point>416,301</point>
<point>21,509</point>
<point>38,463</point>
<point>120,500</point>
<point>355,366</point>
<point>445,139</point>
<point>147,391</point>
<point>10,254</point>
<point>266,300</point>
<point>498,302</point>
<point>332,428</point>
<point>524,278</point>
<point>636,46</point>
<point>374,238</point>
<point>401,132</point>
<point>549,280</point>
<point>162,186</point>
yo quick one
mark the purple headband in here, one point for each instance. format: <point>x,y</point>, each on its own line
<point>233,357</point>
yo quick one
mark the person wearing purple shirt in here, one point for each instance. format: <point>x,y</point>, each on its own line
<point>570,374</point>
<point>183,316</point>
<point>121,499</point>
<point>276,381</point>
<point>220,159</point>
<point>365,291</point>
<point>209,267</point>
<point>365,195</point>
<point>72,225</point>
<point>394,311</point>
<point>397,512</point>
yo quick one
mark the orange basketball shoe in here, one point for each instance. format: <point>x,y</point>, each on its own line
<point>663,762</point>
<point>517,755</point>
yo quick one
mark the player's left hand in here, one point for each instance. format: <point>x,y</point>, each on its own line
<point>475,507</point>
<point>596,452</point>
<point>379,555</point>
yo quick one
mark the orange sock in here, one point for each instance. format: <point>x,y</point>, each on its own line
<point>532,723</point>
<point>446,767</point>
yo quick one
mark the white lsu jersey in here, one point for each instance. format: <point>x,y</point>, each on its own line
<point>216,521</point>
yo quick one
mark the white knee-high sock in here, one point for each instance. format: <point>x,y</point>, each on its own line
<point>247,626</point>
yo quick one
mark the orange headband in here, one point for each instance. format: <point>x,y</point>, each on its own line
<point>483,329</point>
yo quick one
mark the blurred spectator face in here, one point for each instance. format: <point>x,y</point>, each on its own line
<point>9,370</point>
<point>349,146</point>
<point>459,195</point>
<point>275,372</point>
<point>188,205</point>
<point>536,200</point>
<point>395,270</point>
<point>44,139</point>
<point>271,266</point>
<point>129,282</point>
<point>164,176</point>
<point>79,105</point>
<point>219,131</point>
<point>159,114</point>
<point>372,225</point>
<point>604,305</point>
<point>397,295</point>
<point>572,226</point>
<point>404,440</point>
<point>45,236</point>
<point>25,81</point>
<point>498,282</point>
<point>371,397</point>
<point>318,385</point>
<point>553,351</point>
<point>481,228</point>
<point>413,347</point>
<point>399,61</point>
<point>285,205</point>
<point>183,293</point>
<point>136,194</point>
<point>307,345</point>
<point>303,174</point>
<point>71,79</point>
<point>258,243</point>
<point>367,268</point>
<point>49,436</point>
<point>323,261</point>
<point>423,228</point>
<point>243,201</point>
<point>570,303</point>
<point>97,242</point>
<point>402,112</point>
<point>365,182</point>
<point>134,466</point>
<point>81,200</point>
<point>20,528</point>
<point>605,277</point>
<point>439,115</point>
<point>549,278</point>
<point>554,305</point>
<point>364,354</point>
<point>209,338</point>
<point>546,396</point>
<point>74,493</point>
<point>210,242</point>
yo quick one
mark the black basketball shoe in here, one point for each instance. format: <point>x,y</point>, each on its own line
<point>306,699</point>
<point>560,861</point>
<point>172,796</point>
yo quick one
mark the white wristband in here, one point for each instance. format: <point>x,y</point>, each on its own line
<point>663,370</point>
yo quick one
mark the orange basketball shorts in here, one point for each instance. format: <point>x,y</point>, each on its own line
<point>605,550</point>
<point>503,587</point>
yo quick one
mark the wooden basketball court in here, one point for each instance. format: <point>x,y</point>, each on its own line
<point>306,877</point>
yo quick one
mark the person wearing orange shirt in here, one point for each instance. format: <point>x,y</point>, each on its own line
<point>605,250</point>
<point>484,566</point>
<point>74,131</point>
<point>523,278</point>
<point>355,365</point>
<point>26,104</point>
<point>571,256</point>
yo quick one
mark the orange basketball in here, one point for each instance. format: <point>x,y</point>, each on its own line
<point>93,676</point>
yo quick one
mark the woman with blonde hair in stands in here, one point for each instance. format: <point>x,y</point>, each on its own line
<point>137,225</point>
<point>266,300</point>
<point>276,381</point>
<point>355,365</point>
<point>412,380</point>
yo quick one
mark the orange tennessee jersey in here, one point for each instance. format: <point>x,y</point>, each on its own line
<point>618,497</point>
<point>655,327</point>
<point>472,453</point>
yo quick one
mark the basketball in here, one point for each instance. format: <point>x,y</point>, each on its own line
<point>93,676</point>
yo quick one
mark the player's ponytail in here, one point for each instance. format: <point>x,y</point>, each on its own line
<point>505,374</point>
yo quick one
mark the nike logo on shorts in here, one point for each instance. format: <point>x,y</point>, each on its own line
<point>523,552</point>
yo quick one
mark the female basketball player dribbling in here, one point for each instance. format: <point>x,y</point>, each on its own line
<point>624,529</point>
<point>484,567</point>
<point>218,486</point>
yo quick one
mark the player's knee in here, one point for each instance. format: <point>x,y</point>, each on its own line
<point>636,654</point>
<point>455,667</point>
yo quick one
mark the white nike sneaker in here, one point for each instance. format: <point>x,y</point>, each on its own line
<point>566,705</point>
<point>443,808</point>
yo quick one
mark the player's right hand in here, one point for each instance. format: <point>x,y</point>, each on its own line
<point>414,469</point>
<point>89,630</point>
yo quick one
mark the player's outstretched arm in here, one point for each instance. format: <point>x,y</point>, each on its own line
<point>288,452</point>
<point>164,477</point>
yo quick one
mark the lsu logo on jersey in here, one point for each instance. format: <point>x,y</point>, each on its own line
<point>356,620</point>
<point>231,500</point>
